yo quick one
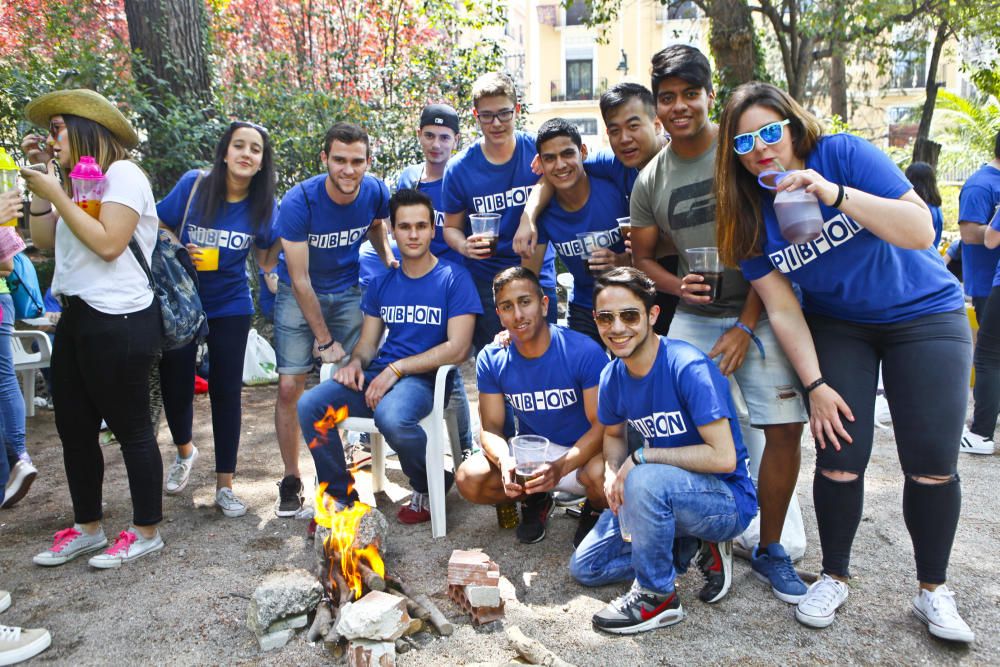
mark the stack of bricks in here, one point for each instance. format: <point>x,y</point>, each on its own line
<point>474,585</point>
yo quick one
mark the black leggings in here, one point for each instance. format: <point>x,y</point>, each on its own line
<point>925,370</point>
<point>100,369</point>
<point>987,364</point>
<point>227,344</point>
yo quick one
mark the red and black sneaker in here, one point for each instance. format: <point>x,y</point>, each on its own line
<point>715,560</point>
<point>639,611</point>
<point>535,511</point>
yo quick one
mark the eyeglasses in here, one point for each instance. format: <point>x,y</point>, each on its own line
<point>628,316</point>
<point>245,123</point>
<point>769,134</point>
<point>487,117</point>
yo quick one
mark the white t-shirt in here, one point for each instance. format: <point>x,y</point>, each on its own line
<point>119,286</point>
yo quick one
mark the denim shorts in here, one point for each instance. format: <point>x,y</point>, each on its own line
<point>294,338</point>
<point>769,384</point>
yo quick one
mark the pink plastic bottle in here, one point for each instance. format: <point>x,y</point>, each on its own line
<point>88,185</point>
<point>797,211</point>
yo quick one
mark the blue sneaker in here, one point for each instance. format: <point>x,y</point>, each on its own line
<point>773,566</point>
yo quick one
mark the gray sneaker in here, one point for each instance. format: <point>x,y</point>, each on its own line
<point>129,546</point>
<point>230,505</point>
<point>180,472</point>
<point>19,644</point>
<point>68,544</point>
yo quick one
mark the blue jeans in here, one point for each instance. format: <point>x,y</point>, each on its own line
<point>662,503</point>
<point>293,337</point>
<point>397,418</point>
<point>11,399</point>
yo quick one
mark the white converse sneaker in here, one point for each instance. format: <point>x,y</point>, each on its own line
<point>975,444</point>
<point>819,607</point>
<point>19,644</point>
<point>230,505</point>
<point>937,609</point>
<point>129,546</point>
<point>21,477</point>
<point>70,543</point>
<point>180,472</point>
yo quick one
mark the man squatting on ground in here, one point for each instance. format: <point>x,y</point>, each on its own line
<point>322,223</point>
<point>548,375</point>
<point>689,483</point>
<point>429,308</point>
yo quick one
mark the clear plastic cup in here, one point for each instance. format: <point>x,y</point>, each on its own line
<point>624,525</point>
<point>705,262</point>
<point>206,257</point>
<point>625,226</point>
<point>486,226</point>
<point>529,456</point>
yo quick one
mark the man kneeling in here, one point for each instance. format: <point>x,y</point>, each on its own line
<point>690,482</point>
<point>548,375</point>
<point>430,308</point>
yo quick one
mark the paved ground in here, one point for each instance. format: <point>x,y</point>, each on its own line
<point>187,605</point>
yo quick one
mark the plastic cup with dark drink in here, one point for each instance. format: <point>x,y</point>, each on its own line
<point>625,227</point>
<point>486,227</point>
<point>705,263</point>
<point>591,242</point>
<point>529,456</point>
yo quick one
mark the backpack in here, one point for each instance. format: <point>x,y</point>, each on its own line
<point>174,282</point>
<point>24,289</point>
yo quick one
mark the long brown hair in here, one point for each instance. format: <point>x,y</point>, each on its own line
<point>739,225</point>
<point>87,137</point>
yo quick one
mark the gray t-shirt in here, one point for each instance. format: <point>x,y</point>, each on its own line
<point>677,196</point>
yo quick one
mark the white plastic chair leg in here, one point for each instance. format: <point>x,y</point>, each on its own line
<point>28,391</point>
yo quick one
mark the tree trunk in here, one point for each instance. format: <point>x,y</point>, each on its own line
<point>170,37</point>
<point>925,150</point>
<point>838,86</point>
<point>732,43</point>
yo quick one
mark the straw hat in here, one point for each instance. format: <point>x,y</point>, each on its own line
<point>86,104</point>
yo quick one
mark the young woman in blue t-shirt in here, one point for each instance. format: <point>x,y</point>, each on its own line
<point>235,198</point>
<point>921,175</point>
<point>873,291</point>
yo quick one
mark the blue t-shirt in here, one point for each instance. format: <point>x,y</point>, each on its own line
<point>370,264</point>
<point>848,273</point>
<point>682,391</point>
<point>604,164</point>
<point>334,232</point>
<point>475,185</point>
<point>50,303</point>
<point>559,227</point>
<point>546,393</point>
<point>410,178</point>
<point>416,310</point>
<point>937,219</point>
<point>978,202</point>
<point>225,292</point>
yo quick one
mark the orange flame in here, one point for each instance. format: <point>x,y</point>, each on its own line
<point>343,527</point>
<point>327,421</point>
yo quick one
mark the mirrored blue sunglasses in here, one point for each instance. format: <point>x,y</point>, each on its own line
<point>769,134</point>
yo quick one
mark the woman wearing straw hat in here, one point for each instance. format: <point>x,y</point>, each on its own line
<point>109,333</point>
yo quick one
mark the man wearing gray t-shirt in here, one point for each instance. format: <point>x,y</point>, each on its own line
<point>674,195</point>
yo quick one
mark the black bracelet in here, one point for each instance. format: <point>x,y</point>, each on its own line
<point>632,456</point>
<point>323,348</point>
<point>45,212</point>
<point>814,385</point>
<point>840,196</point>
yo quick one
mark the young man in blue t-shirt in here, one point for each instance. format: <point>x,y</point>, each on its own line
<point>581,204</point>
<point>322,223</point>
<point>548,375</point>
<point>492,176</point>
<point>690,481</point>
<point>429,308</point>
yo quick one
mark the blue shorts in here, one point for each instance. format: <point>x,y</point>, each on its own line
<point>769,384</point>
<point>294,338</point>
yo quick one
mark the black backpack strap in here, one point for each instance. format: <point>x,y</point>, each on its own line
<point>134,247</point>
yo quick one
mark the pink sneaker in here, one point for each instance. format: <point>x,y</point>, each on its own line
<point>68,544</point>
<point>129,546</point>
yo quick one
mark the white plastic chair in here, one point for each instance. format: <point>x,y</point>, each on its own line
<point>26,363</point>
<point>434,426</point>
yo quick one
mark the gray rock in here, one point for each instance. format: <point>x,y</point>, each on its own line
<point>289,623</point>
<point>282,594</point>
<point>273,640</point>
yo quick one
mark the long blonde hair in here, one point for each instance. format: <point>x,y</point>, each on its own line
<point>87,137</point>
<point>739,225</point>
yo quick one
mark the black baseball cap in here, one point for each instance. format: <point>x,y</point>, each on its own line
<point>441,115</point>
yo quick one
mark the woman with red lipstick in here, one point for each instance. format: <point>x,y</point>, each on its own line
<point>873,291</point>
<point>235,201</point>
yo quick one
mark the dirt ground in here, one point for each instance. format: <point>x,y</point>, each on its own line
<point>187,605</point>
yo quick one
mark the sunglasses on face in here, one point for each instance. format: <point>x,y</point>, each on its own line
<point>254,126</point>
<point>628,316</point>
<point>769,134</point>
<point>487,117</point>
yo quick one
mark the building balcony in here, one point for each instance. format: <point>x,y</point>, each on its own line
<point>580,94</point>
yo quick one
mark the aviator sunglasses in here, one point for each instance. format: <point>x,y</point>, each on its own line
<point>628,316</point>
<point>769,134</point>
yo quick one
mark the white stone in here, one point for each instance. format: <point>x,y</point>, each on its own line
<point>364,653</point>
<point>273,640</point>
<point>377,616</point>
<point>483,596</point>
<point>280,595</point>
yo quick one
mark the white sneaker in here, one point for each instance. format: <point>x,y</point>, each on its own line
<point>180,472</point>
<point>19,644</point>
<point>21,477</point>
<point>68,544</point>
<point>129,546</point>
<point>819,607</point>
<point>975,444</point>
<point>937,609</point>
<point>230,505</point>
